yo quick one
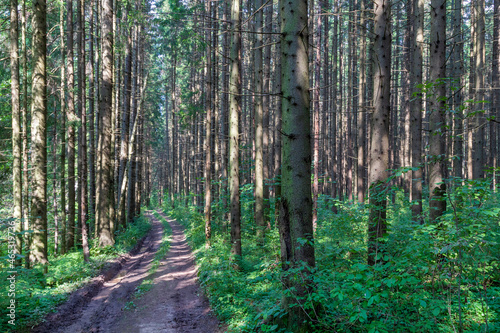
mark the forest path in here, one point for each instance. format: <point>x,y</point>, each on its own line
<point>172,304</point>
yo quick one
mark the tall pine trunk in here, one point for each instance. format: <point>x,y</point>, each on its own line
<point>208,145</point>
<point>63,134</point>
<point>16,128</point>
<point>24,114</point>
<point>72,121</point>
<point>82,147</point>
<point>478,130</point>
<point>379,148</point>
<point>259,150</point>
<point>234,114</point>
<point>39,134</point>
<point>277,115</point>
<point>457,76</point>
<point>437,188</point>
<point>362,110</point>
<point>495,110</point>
<point>416,109</point>
<point>295,220</point>
<point>104,165</point>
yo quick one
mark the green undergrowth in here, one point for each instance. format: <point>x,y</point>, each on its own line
<point>441,277</point>
<point>147,283</point>
<point>37,294</point>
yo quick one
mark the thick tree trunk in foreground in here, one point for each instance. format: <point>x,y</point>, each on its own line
<point>104,166</point>
<point>295,220</point>
<point>379,150</point>
<point>234,114</point>
<point>39,134</point>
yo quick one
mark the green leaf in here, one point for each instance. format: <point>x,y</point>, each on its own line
<point>363,315</point>
<point>492,212</point>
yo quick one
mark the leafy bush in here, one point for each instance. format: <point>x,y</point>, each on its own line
<point>439,277</point>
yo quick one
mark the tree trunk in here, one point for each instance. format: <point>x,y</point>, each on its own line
<point>340,123</point>
<point>133,138</point>
<point>124,137</point>
<point>224,109</point>
<point>234,114</point>
<point>495,110</point>
<point>277,115</point>
<point>54,182</point>
<point>437,188</point>
<point>333,122</point>
<point>416,109</point>
<point>259,151</point>
<point>63,134</point>
<point>295,224</point>
<point>470,120</point>
<point>351,96</point>
<point>82,147</point>
<point>208,147</point>
<point>16,129</point>
<point>266,109</point>
<point>91,164</point>
<point>130,209</point>
<point>39,134</point>
<point>104,167</point>
<point>167,162</point>
<point>72,120</point>
<point>362,107</point>
<point>315,115</point>
<point>478,162</point>
<point>457,76</point>
<point>174,131</point>
<point>114,129</point>
<point>379,154</point>
<point>24,114</point>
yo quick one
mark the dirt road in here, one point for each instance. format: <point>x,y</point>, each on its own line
<point>174,303</point>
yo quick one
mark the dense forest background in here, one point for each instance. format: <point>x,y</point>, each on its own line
<point>335,162</point>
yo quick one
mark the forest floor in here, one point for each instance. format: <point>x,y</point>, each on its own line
<point>173,304</point>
